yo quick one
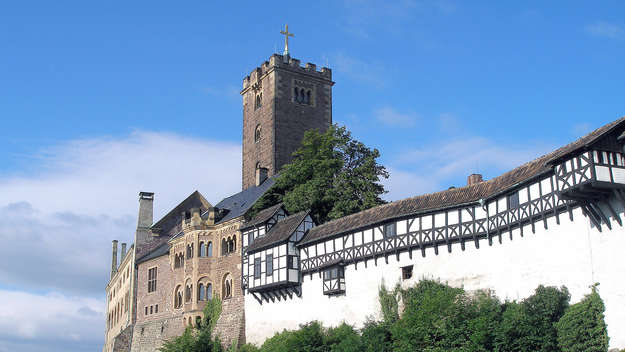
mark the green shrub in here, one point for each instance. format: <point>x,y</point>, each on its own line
<point>342,338</point>
<point>376,337</point>
<point>582,328</point>
<point>530,325</point>
<point>308,338</point>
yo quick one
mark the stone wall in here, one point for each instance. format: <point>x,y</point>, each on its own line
<point>123,341</point>
<point>149,336</point>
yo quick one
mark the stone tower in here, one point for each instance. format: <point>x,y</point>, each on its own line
<point>281,101</point>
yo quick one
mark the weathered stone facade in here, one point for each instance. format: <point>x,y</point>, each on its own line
<point>274,119</point>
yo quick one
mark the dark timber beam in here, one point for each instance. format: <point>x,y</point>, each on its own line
<point>613,212</point>
<point>598,210</point>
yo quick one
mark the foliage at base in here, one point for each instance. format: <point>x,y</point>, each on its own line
<point>582,328</point>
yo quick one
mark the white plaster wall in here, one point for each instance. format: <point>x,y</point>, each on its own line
<point>573,254</point>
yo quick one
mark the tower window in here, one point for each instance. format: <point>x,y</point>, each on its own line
<point>257,132</point>
<point>258,102</point>
<point>302,95</point>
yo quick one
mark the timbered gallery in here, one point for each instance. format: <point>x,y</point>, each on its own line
<point>556,220</point>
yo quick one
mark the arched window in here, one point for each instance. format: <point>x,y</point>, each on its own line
<point>224,246</point>
<point>209,291</point>
<point>178,297</point>
<point>210,249</point>
<point>200,292</point>
<point>202,249</point>
<point>187,293</point>
<point>198,321</point>
<point>307,100</point>
<point>257,132</point>
<point>226,286</point>
<point>189,249</point>
<point>295,94</point>
<point>234,243</point>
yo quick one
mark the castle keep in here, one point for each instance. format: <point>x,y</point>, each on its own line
<point>556,220</point>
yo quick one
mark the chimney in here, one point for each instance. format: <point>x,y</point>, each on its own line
<point>145,218</point>
<point>123,252</point>
<point>474,179</point>
<point>261,175</point>
<point>146,209</point>
<point>114,260</point>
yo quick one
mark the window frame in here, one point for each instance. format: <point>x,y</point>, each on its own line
<point>269,265</point>
<point>257,268</point>
<point>152,280</point>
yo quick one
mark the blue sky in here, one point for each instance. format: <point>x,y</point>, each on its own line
<point>99,101</point>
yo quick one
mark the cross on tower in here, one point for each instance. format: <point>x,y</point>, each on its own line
<point>286,39</point>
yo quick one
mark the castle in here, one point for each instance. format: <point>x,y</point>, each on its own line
<point>556,220</point>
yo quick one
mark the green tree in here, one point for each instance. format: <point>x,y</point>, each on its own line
<point>582,328</point>
<point>199,339</point>
<point>331,174</point>
<point>342,338</point>
<point>530,325</point>
<point>308,338</point>
<point>376,337</point>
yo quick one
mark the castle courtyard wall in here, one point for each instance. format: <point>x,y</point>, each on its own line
<point>574,254</point>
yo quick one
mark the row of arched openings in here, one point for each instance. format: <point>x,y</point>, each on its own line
<point>228,245</point>
<point>204,291</point>
<point>178,260</point>
<point>302,96</point>
<point>206,250</point>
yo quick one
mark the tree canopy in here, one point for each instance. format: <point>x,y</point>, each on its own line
<point>331,174</point>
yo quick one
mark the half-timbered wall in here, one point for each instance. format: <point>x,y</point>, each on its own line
<point>285,259</point>
<point>511,244</point>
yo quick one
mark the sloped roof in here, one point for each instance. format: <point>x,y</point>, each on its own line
<point>279,232</point>
<point>262,216</point>
<point>161,250</point>
<point>456,196</point>
<point>237,204</point>
<point>194,199</point>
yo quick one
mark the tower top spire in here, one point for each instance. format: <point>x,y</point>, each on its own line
<point>286,34</point>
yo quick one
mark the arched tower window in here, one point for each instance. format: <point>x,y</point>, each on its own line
<point>224,246</point>
<point>210,249</point>
<point>257,133</point>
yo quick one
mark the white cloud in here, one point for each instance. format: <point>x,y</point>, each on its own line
<point>26,317</point>
<point>389,116</point>
<point>607,30</point>
<point>61,219</point>
<point>438,166</point>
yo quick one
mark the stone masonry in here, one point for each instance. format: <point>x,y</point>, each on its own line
<point>281,118</point>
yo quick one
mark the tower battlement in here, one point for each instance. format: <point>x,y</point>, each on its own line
<point>287,63</point>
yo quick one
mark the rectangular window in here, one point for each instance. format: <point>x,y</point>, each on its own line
<point>151,309</point>
<point>146,310</point>
<point>152,280</point>
<point>269,265</point>
<point>257,268</point>
<point>406,272</point>
<point>513,200</point>
<point>291,262</point>
<point>156,308</point>
<point>389,230</point>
